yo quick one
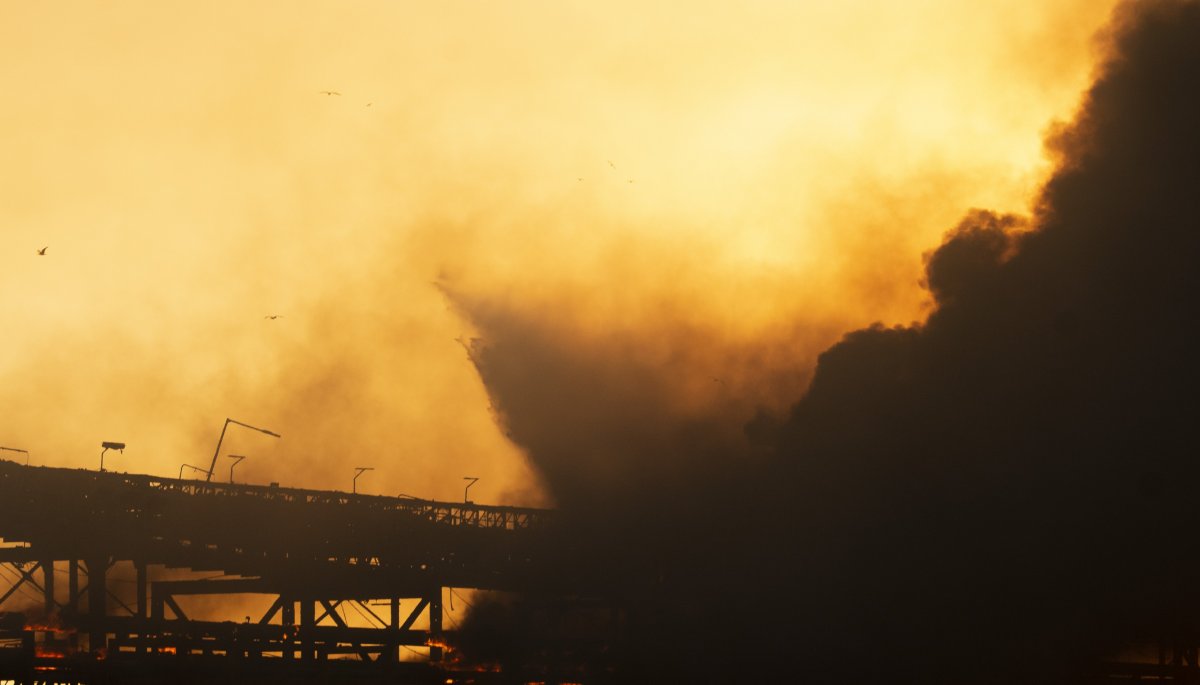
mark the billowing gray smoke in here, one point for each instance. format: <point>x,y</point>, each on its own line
<point>1004,492</point>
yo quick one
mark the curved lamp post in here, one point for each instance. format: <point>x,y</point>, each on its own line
<point>358,472</point>
<point>118,446</point>
<point>194,468</point>
<point>237,459</point>
<point>218,452</point>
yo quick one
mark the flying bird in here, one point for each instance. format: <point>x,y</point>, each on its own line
<point>42,251</point>
<point>330,92</point>
<point>273,316</point>
<point>611,164</point>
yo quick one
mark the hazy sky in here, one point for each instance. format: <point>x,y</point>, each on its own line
<point>715,176</point>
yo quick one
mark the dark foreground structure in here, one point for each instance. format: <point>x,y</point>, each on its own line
<point>103,577</point>
<point>354,584</point>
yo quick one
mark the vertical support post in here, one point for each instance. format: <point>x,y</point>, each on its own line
<point>158,603</point>
<point>392,653</point>
<point>73,585</point>
<point>308,619</point>
<point>48,585</point>
<point>288,619</point>
<point>435,622</point>
<point>97,602</point>
<point>140,606</point>
<point>73,597</point>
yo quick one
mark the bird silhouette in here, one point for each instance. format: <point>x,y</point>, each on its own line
<point>273,316</point>
<point>611,164</point>
<point>330,92</point>
<point>42,251</point>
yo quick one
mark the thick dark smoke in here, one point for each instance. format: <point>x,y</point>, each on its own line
<point>1006,492</point>
<point>601,417</point>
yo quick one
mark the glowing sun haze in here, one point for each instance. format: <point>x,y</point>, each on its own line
<point>734,184</point>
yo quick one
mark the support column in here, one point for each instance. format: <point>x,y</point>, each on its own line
<point>392,652</point>
<point>140,606</point>
<point>73,597</point>
<point>48,586</point>
<point>73,585</point>
<point>435,622</point>
<point>97,568</point>
<point>158,603</point>
<point>308,619</point>
<point>288,619</point>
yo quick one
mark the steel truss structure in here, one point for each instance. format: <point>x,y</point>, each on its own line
<point>130,547</point>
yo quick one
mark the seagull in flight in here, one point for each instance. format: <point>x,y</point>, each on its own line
<point>42,251</point>
<point>273,316</point>
<point>330,92</point>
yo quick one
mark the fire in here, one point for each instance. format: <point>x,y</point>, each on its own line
<point>43,652</point>
<point>454,659</point>
<point>51,627</point>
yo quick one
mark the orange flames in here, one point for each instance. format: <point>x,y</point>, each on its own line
<point>50,628</point>
<point>51,623</point>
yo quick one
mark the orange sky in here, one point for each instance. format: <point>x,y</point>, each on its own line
<point>759,174</point>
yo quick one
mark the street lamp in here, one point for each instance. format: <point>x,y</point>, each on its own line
<point>194,468</point>
<point>14,449</point>
<point>237,459</point>
<point>218,452</point>
<point>359,471</point>
<point>119,446</point>
<point>467,500</point>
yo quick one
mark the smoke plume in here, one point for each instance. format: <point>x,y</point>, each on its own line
<point>1001,493</point>
<point>607,165</point>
